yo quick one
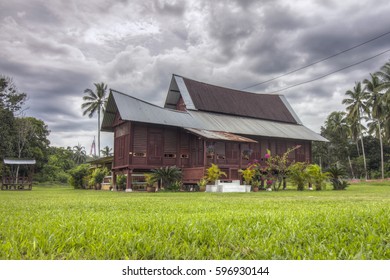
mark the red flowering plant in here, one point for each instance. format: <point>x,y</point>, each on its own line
<point>274,169</point>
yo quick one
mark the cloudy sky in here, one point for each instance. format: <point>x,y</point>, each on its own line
<point>55,49</point>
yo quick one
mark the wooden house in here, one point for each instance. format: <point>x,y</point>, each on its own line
<point>201,124</point>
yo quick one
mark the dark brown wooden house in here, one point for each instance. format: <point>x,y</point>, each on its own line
<point>201,124</point>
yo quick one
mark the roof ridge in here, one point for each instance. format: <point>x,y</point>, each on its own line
<point>222,87</point>
<point>146,102</point>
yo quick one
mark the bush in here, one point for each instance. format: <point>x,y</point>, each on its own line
<point>98,176</point>
<point>121,181</point>
<point>214,173</point>
<point>78,176</point>
<point>297,174</point>
<point>167,175</point>
<point>316,176</point>
<point>175,186</point>
<point>336,177</point>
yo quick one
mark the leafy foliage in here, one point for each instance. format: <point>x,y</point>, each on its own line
<point>297,174</point>
<point>336,176</point>
<point>316,177</point>
<point>121,181</point>
<point>79,176</point>
<point>98,175</point>
<point>213,173</point>
<point>168,175</point>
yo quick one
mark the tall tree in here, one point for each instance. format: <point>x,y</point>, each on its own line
<point>79,154</point>
<point>377,110</point>
<point>95,102</point>
<point>107,151</point>
<point>338,130</point>
<point>384,89</point>
<point>10,97</point>
<point>356,102</point>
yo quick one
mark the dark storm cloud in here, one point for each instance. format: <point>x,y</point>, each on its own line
<point>56,49</point>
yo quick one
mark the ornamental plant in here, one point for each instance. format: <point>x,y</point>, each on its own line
<point>214,173</point>
<point>248,175</point>
<point>316,176</point>
<point>275,168</point>
<point>297,174</point>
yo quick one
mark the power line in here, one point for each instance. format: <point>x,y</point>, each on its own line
<point>318,61</point>
<point>333,72</point>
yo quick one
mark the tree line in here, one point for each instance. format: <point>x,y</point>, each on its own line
<point>360,135</point>
<point>26,137</point>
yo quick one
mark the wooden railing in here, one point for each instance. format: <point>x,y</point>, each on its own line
<point>19,183</point>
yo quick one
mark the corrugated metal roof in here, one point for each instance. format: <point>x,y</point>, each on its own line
<point>20,161</point>
<point>250,126</point>
<point>220,135</point>
<point>133,109</point>
<point>223,100</point>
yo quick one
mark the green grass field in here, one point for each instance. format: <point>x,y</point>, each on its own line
<point>62,223</point>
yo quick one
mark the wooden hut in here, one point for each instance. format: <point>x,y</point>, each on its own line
<point>201,124</point>
<point>17,174</point>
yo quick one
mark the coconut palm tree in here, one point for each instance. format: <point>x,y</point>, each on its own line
<point>95,102</point>
<point>107,151</point>
<point>356,102</point>
<point>384,88</point>
<point>337,124</point>
<point>79,154</point>
<point>377,111</point>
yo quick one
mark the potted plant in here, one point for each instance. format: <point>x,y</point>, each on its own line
<point>248,175</point>
<point>255,185</point>
<point>202,184</point>
<point>210,150</point>
<point>213,173</point>
<point>246,154</point>
<point>150,180</point>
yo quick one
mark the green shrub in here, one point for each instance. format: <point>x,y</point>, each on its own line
<point>78,176</point>
<point>167,175</point>
<point>316,176</point>
<point>98,176</point>
<point>121,181</point>
<point>175,186</point>
<point>337,173</point>
<point>214,173</point>
<point>297,174</point>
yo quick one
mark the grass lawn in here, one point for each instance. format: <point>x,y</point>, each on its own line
<point>62,223</point>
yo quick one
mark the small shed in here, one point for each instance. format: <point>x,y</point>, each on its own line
<point>18,174</point>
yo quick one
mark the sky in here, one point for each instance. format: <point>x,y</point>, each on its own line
<point>55,49</point>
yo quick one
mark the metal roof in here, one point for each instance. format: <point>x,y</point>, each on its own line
<point>220,135</point>
<point>133,109</point>
<point>211,98</point>
<point>20,161</point>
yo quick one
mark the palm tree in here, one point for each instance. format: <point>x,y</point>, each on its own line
<point>79,154</point>
<point>384,88</point>
<point>356,107</point>
<point>377,111</point>
<point>337,124</point>
<point>94,103</point>
<point>106,151</point>
<point>166,175</point>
